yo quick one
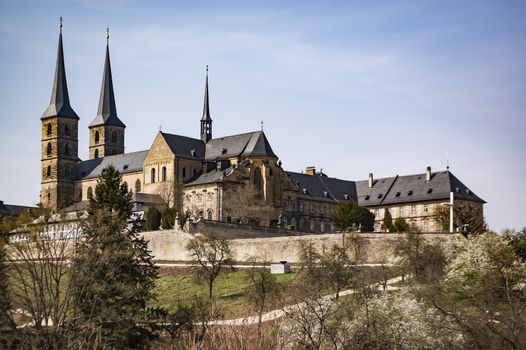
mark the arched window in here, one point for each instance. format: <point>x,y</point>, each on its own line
<point>184,173</point>
<point>114,137</point>
<point>49,128</point>
<point>293,223</point>
<point>48,171</point>
<point>257,181</point>
<point>96,155</point>
<point>89,193</point>
<point>285,221</point>
<point>152,176</point>
<point>322,227</point>
<point>210,214</point>
<point>49,149</point>
<point>66,149</point>
<point>66,130</point>
<point>137,186</point>
<point>49,197</point>
<point>164,173</point>
<point>97,136</point>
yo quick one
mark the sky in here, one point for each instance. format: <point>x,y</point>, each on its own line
<point>353,87</point>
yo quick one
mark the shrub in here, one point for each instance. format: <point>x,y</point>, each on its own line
<point>168,218</point>
<point>153,219</point>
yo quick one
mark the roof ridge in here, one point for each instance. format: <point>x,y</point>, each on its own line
<point>389,189</point>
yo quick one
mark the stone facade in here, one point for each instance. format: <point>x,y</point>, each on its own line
<point>105,140</point>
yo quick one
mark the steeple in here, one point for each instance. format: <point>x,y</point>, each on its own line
<point>59,104</point>
<point>206,120</point>
<point>107,112</point>
<point>106,130</point>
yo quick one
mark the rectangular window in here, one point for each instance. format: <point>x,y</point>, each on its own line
<point>184,173</point>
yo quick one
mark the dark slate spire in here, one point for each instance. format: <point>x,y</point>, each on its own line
<point>107,112</point>
<point>59,104</point>
<point>206,105</point>
<point>206,121</point>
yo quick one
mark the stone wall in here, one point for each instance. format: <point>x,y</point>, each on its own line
<point>170,245</point>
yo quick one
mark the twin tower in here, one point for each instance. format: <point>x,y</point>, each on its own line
<point>59,154</point>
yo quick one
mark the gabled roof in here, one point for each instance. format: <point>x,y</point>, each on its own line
<point>414,188</point>
<point>376,194</point>
<point>59,104</point>
<point>107,111</point>
<point>249,144</point>
<point>10,209</point>
<point>186,147</point>
<point>123,163</point>
<point>321,187</point>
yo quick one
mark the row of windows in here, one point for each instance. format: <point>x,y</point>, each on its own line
<point>137,188</point>
<point>49,149</point>
<point>49,130</point>
<point>67,171</point>
<point>114,137</point>
<point>314,208</point>
<point>306,224</point>
<point>403,210</point>
<point>153,177</point>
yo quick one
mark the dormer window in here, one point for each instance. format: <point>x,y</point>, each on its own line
<point>397,194</point>
<point>410,192</point>
<point>346,196</point>
<point>305,191</point>
<point>367,197</point>
<point>379,195</point>
<point>223,151</point>
<point>429,190</point>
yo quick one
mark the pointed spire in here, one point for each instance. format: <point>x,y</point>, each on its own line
<point>107,111</point>
<point>59,104</point>
<point>206,105</point>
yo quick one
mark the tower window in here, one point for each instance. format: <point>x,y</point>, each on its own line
<point>89,194</point>
<point>97,136</point>
<point>66,149</point>
<point>49,149</point>
<point>164,173</point>
<point>49,128</point>
<point>153,176</point>
<point>137,186</point>
<point>48,171</point>
<point>114,137</point>
<point>184,173</point>
<point>48,197</point>
<point>96,154</point>
<point>66,130</point>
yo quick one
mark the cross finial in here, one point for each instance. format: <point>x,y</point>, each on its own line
<point>107,34</point>
<point>262,125</point>
<point>60,24</point>
<point>207,69</point>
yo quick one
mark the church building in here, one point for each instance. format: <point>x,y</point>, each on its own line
<point>235,178</point>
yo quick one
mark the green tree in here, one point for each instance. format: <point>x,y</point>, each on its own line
<point>168,218</point>
<point>484,291</point>
<point>350,216</point>
<point>212,254</point>
<point>114,269</point>
<point>388,220</point>
<point>153,219</point>
<point>517,241</point>
<point>400,225</point>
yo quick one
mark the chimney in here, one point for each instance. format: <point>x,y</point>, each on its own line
<point>371,180</point>
<point>428,174</point>
<point>310,170</point>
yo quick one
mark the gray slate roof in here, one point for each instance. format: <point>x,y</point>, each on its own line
<point>123,163</point>
<point>10,209</point>
<point>59,105</point>
<point>323,188</point>
<point>211,177</point>
<point>249,144</point>
<point>413,188</point>
<point>107,111</point>
<point>182,146</point>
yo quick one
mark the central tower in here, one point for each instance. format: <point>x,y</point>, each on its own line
<point>206,121</point>
<point>106,131</point>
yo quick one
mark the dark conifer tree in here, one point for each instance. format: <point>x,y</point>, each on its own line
<point>114,271</point>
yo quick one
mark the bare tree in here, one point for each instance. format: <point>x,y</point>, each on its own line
<point>251,206</point>
<point>212,254</point>
<point>262,286</point>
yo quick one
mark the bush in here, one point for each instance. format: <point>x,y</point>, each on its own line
<point>349,216</point>
<point>388,220</point>
<point>153,219</point>
<point>168,218</point>
<point>400,225</point>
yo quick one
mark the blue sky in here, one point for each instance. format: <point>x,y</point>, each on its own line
<point>387,87</point>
